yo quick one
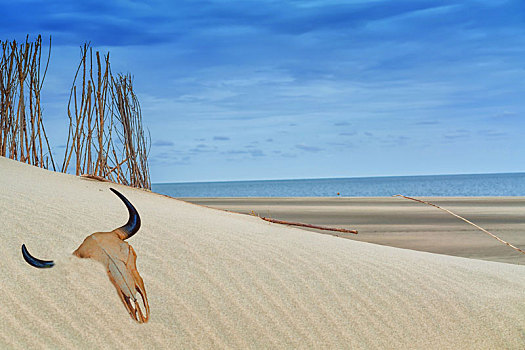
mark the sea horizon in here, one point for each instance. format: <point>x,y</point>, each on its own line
<point>452,185</point>
<point>333,178</point>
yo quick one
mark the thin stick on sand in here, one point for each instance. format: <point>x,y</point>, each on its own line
<point>467,221</point>
<point>95,177</point>
<point>308,225</point>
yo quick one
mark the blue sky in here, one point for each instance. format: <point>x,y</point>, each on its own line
<point>250,89</point>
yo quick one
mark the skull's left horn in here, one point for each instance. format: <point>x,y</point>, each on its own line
<point>31,260</point>
<point>133,224</point>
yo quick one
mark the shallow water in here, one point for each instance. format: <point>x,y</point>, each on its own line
<point>512,184</point>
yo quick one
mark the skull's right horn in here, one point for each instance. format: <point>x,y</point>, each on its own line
<point>133,224</point>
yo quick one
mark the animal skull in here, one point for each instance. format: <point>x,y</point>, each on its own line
<point>119,258</point>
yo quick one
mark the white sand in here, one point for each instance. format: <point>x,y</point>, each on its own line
<point>222,280</point>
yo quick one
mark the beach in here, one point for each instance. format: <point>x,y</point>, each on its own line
<point>402,223</point>
<point>221,280</point>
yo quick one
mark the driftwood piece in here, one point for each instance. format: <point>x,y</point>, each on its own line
<point>309,226</point>
<point>95,177</point>
<point>462,218</point>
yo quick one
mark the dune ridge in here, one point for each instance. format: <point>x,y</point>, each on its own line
<point>222,280</point>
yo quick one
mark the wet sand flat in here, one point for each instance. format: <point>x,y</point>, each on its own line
<point>401,223</point>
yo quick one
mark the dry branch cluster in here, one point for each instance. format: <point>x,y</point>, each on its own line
<point>106,137</point>
<point>22,133</point>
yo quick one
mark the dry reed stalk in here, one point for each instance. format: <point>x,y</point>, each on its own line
<point>308,225</point>
<point>130,133</point>
<point>86,117</point>
<point>463,219</point>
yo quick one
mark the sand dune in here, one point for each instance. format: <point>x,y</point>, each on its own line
<point>222,280</point>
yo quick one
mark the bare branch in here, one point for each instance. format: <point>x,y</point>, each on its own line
<point>309,226</point>
<point>462,218</point>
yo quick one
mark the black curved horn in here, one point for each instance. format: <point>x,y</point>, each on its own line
<point>133,224</point>
<point>31,260</point>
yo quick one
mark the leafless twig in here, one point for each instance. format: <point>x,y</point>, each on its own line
<point>308,225</point>
<point>467,221</point>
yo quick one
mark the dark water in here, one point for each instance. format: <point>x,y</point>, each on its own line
<point>432,185</point>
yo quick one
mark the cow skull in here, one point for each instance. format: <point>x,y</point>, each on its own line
<point>119,258</point>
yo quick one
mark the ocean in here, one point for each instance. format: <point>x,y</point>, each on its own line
<point>475,185</point>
